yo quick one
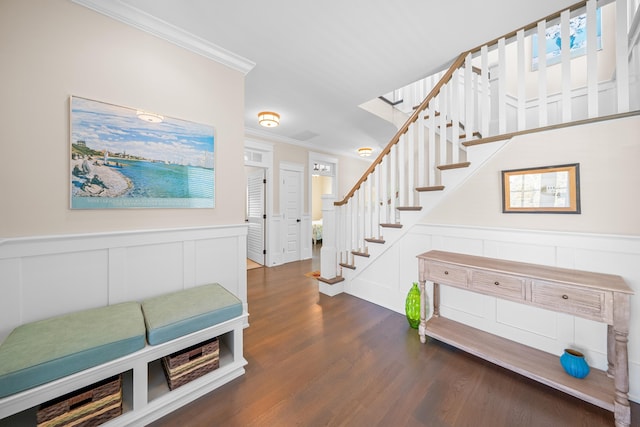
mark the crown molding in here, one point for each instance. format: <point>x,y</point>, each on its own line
<point>136,18</point>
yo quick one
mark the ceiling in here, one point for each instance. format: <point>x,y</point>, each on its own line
<point>317,61</point>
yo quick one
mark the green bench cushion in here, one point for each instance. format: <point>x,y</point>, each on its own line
<point>38,352</point>
<point>180,313</point>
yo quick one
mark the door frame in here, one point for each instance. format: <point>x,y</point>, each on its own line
<point>265,150</point>
<point>259,174</point>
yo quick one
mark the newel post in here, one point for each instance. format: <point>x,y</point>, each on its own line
<point>328,253</point>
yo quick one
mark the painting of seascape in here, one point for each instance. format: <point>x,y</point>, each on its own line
<point>127,158</point>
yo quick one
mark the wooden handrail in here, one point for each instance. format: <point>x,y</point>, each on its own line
<point>416,114</point>
<point>510,135</point>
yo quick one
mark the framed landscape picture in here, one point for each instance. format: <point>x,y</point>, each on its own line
<point>127,158</point>
<point>548,189</point>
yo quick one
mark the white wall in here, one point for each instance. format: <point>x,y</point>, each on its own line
<point>605,238</point>
<point>607,153</point>
<point>52,49</point>
<point>387,282</point>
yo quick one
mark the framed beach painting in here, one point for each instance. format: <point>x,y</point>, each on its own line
<point>127,158</point>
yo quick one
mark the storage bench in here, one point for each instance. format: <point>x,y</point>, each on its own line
<point>182,319</point>
<point>39,352</point>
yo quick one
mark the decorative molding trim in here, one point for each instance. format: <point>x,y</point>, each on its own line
<point>136,18</point>
<point>291,166</point>
<point>16,247</point>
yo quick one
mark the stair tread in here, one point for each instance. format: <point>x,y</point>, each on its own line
<point>409,208</point>
<point>454,166</point>
<point>391,225</point>
<point>431,188</point>
<point>335,280</point>
<point>363,254</point>
<point>349,266</point>
<point>374,240</point>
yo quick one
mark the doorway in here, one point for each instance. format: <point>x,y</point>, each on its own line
<point>258,160</point>
<point>291,180</point>
<point>256,215</point>
<point>323,180</point>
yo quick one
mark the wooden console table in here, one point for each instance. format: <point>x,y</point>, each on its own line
<point>600,297</point>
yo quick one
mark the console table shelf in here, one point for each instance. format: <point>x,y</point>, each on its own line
<point>538,365</point>
<point>595,296</point>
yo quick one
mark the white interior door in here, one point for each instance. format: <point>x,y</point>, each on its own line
<point>256,216</point>
<point>291,197</point>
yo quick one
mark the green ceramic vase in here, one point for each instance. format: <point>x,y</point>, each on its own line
<point>412,306</point>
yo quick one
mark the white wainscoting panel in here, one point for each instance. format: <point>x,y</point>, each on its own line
<point>539,328</point>
<point>276,245</point>
<point>47,276</point>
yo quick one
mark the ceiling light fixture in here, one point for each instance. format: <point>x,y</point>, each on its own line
<point>149,117</point>
<point>269,119</point>
<point>365,151</point>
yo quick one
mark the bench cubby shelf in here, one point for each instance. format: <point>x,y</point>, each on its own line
<point>146,395</point>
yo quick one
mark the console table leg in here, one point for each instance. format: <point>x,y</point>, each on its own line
<point>611,351</point>
<point>621,406</point>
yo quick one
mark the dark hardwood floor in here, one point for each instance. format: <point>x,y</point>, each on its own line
<point>321,361</point>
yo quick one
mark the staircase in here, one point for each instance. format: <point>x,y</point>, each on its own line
<point>470,111</point>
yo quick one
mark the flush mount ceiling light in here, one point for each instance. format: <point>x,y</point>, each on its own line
<point>269,119</point>
<point>365,151</point>
<point>149,117</point>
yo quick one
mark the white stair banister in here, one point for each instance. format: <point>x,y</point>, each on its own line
<point>469,95</point>
<point>411,166</point>
<point>622,56</point>
<point>485,104</point>
<point>444,113</point>
<point>565,55</point>
<point>391,203</point>
<point>422,170</point>
<point>543,117</point>
<point>455,117</point>
<point>402,170</point>
<point>592,60</point>
<point>522,94</point>
<point>431,149</point>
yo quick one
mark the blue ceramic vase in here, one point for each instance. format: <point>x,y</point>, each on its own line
<point>574,364</point>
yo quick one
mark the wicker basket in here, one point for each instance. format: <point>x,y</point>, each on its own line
<point>191,363</point>
<point>90,406</point>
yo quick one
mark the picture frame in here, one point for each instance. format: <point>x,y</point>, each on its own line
<point>123,157</point>
<point>547,189</point>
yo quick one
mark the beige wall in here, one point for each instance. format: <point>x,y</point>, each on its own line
<point>607,152</point>
<point>52,49</point>
<point>350,169</point>
<point>320,185</point>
